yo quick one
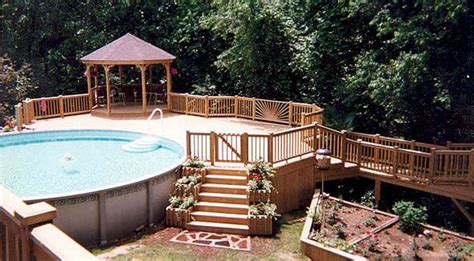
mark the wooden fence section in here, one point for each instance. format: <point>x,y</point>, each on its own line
<point>26,232</point>
<point>380,154</point>
<point>60,106</point>
<point>290,113</point>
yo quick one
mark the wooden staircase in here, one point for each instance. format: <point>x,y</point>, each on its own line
<point>222,203</point>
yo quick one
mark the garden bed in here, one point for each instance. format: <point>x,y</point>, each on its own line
<point>340,230</point>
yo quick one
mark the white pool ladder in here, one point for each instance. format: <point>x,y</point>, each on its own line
<point>151,117</point>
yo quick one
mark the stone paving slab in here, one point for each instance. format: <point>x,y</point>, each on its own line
<point>235,242</point>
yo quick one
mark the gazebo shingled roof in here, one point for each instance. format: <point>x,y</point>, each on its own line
<point>128,49</point>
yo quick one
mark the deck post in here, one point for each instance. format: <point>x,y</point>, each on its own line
<point>315,137</point>
<point>236,105</point>
<point>253,108</point>
<point>206,106</point>
<point>143,79</point>
<point>471,168</point>
<point>186,103</point>
<point>303,123</point>
<point>61,106</point>
<point>432,164</point>
<point>19,116</point>
<point>359,152</point>
<point>270,148</point>
<point>395,161</point>
<point>213,147</point>
<point>244,144</point>
<point>290,113</point>
<point>377,192</point>
<point>343,146</point>
<point>188,144</point>
<point>376,149</point>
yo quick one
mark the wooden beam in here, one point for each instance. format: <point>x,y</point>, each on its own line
<point>168,83</point>
<point>107,85</point>
<point>377,192</point>
<point>121,74</point>
<point>143,79</point>
<point>150,73</point>
<point>89,84</point>
<point>466,214</point>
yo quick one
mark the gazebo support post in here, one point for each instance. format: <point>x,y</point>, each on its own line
<point>107,85</point>
<point>121,74</point>
<point>150,74</point>
<point>168,83</point>
<point>89,84</point>
<point>143,72</point>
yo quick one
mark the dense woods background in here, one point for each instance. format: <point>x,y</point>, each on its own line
<point>400,68</point>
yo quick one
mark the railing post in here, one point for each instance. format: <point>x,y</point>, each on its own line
<point>432,164</point>
<point>61,106</point>
<point>376,149</point>
<point>471,168</point>
<point>395,161</point>
<point>411,162</point>
<point>244,145</point>
<point>19,116</point>
<point>343,146</point>
<point>303,121</point>
<point>253,108</point>
<point>448,144</point>
<point>290,113</point>
<point>206,106</point>
<point>186,102</point>
<point>213,147</point>
<point>270,148</point>
<point>236,105</point>
<point>316,137</point>
<point>359,153</point>
<point>188,144</point>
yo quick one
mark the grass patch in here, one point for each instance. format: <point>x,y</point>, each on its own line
<point>284,245</point>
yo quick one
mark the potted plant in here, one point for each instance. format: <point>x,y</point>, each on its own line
<point>259,184</point>
<point>187,185</point>
<point>261,217</point>
<point>178,213</point>
<point>194,166</point>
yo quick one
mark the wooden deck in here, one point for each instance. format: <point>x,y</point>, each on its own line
<point>128,109</point>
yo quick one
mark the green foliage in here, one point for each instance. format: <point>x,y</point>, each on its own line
<point>194,162</point>
<point>263,209</point>
<point>16,85</point>
<point>368,199</point>
<point>411,217</point>
<point>389,67</point>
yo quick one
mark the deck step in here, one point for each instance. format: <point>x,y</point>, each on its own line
<point>225,228</point>
<point>226,179</point>
<point>224,188</point>
<point>227,171</point>
<point>220,217</point>
<point>223,198</point>
<point>222,207</point>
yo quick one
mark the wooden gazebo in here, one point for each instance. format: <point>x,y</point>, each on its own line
<point>127,50</point>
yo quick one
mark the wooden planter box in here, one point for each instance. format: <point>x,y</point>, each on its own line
<point>195,171</point>
<point>260,225</point>
<point>258,196</point>
<point>178,217</point>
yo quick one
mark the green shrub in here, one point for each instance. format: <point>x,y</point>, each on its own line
<point>194,162</point>
<point>368,199</point>
<point>411,217</point>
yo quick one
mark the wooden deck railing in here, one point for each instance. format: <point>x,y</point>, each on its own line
<point>27,232</point>
<point>409,161</point>
<point>59,106</point>
<point>290,113</point>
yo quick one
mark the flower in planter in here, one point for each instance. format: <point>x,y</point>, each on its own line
<point>264,209</point>
<point>182,202</point>
<point>194,162</point>
<point>260,174</point>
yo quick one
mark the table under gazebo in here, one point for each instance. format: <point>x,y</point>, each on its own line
<point>111,64</point>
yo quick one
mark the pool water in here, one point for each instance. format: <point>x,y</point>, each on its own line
<point>59,163</point>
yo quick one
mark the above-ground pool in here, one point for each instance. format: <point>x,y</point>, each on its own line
<point>84,172</point>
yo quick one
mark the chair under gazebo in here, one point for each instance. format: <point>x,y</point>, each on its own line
<point>116,97</point>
